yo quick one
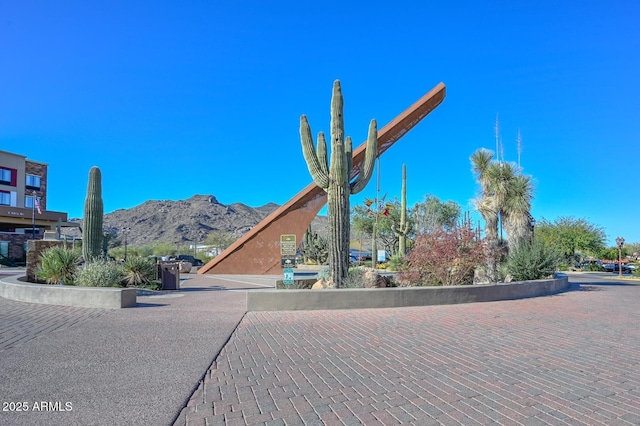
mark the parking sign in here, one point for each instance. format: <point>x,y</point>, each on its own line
<point>288,276</point>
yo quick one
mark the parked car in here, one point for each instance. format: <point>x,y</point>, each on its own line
<point>609,267</point>
<point>625,268</point>
<point>186,258</point>
<point>359,256</point>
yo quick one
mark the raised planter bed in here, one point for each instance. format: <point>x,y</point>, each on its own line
<point>14,288</point>
<point>292,300</point>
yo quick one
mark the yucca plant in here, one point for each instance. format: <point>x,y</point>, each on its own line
<point>57,265</point>
<point>138,271</point>
<point>505,195</point>
<point>533,261</point>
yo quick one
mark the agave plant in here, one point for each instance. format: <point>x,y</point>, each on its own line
<point>138,271</point>
<point>57,265</point>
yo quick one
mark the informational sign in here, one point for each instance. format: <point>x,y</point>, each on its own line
<point>288,261</point>
<point>288,276</point>
<point>382,255</point>
<point>288,246</point>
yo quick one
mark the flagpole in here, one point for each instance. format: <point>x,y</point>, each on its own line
<point>33,217</point>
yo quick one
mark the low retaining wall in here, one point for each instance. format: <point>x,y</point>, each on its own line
<point>86,297</point>
<point>292,300</point>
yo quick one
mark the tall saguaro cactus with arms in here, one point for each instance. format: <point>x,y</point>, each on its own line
<point>335,178</point>
<point>93,216</point>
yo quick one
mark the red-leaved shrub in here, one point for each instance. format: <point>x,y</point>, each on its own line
<point>444,257</point>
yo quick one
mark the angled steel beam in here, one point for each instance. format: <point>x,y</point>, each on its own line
<point>258,251</point>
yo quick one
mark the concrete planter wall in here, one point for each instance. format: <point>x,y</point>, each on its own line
<point>87,297</point>
<point>291,300</point>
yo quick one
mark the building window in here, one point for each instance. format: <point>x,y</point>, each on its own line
<point>33,182</point>
<point>4,249</point>
<point>28,201</point>
<point>7,176</point>
<point>5,198</point>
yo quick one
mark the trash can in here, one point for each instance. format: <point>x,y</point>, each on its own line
<point>170,276</point>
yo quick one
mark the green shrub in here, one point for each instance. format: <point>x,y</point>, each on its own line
<point>593,267</point>
<point>503,270</point>
<point>100,273</point>
<point>397,263</point>
<point>152,285</point>
<point>355,278</point>
<point>324,273</point>
<point>138,271</point>
<point>297,285</point>
<point>358,277</point>
<point>57,265</point>
<point>533,261</point>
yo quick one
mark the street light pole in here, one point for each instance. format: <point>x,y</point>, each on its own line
<point>620,244</point>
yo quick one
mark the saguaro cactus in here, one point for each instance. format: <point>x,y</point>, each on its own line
<point>335,179</point>
<point>402,229</point>
<point>93,216</point>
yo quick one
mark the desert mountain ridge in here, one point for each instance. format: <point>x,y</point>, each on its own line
<point>185,222</point>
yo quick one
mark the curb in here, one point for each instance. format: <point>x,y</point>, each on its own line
<point>328,299</point>
<point>13,288</point>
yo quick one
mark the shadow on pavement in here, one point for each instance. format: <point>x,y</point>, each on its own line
<point>149,305</point>
<point>218,288</point>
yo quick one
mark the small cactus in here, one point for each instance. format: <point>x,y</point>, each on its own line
<point>403,228</point>
<point>335,179</point>
<point>314,247</point>
<point>93,217</point>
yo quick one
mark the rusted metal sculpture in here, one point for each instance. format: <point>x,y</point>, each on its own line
<point>258,251</point>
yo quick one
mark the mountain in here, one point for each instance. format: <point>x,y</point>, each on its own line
<point>185,221</point>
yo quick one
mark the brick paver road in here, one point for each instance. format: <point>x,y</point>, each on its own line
<point>21,322</point>
<point>568,359</point>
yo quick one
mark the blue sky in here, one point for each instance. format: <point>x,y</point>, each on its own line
<point>172,99</point>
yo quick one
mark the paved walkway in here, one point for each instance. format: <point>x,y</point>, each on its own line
<point>135,366</point>
<point>568,359</point>
<point>572,359</point>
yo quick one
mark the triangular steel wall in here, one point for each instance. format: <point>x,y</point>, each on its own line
<point>258,251</point>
